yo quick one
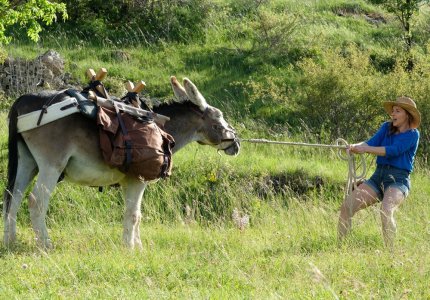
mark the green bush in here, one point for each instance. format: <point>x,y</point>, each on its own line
<point>266,35</point>
<point>266,99</point>
<point>3,55</point>
<point>152,21</point>
<point>342,94</point>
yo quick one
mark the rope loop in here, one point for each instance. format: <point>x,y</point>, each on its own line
<point>341,154</point>
<point>353,178</point>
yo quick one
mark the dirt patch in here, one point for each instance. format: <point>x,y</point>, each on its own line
<point>298,182</point>
<point>375,18</point>
<point>355,11</point>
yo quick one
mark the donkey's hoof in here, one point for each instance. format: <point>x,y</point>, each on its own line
<point>138,244</point>
<point>8,242</point>
<point>45,244</point>
<point>9,239</point>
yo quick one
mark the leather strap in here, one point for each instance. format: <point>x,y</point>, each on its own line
<point>43,111</point>
<point>127,140</point>
<point>45,107</point>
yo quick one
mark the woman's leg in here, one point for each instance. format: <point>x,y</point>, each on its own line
<point>393,197</point>
<point>360,198</point>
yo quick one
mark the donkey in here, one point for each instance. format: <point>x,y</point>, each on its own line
<point>69,147</point>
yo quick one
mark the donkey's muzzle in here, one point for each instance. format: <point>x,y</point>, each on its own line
<point>233,148</point>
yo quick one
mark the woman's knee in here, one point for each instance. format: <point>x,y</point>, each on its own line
<point>387,211</point>
<point>393,197</point>
<point>363,197</point>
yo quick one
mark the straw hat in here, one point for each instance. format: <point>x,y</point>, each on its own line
<point>407,104</point>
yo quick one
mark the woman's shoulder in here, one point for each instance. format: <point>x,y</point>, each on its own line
<point>415,132</point>
<point>411,133</point>
<point>386,125</point>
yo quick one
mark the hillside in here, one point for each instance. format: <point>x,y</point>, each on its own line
<point>273,62</point>
<point>288,70</point>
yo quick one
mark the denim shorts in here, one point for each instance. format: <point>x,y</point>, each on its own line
<point>388,176</point>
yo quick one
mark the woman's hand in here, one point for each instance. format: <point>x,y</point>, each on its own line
<point>365,148</point>
<point>357,148</point>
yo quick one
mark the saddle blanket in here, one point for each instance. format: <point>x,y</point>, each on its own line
<point>53,112</point>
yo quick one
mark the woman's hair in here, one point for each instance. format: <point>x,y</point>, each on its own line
<point>393,129</point>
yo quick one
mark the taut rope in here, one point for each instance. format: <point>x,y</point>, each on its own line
<point>341,144</point>
<point>264,141</point>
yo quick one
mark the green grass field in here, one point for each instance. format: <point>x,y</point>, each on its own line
<point>289,250</point>
<point>306,71</point>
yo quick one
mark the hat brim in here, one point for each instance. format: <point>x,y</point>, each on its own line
<point>416,115</point>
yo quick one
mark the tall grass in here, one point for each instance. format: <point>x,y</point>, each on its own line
<point>288,250</point>
<point>282,90</point>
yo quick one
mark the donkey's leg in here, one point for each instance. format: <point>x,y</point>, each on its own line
<point>26,171</point>
<point>133,191</point>
<point>38,203</point>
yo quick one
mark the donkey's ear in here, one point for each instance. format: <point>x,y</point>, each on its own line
<point>178,89</point>
<point>194,94</point>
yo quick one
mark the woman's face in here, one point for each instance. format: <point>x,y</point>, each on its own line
<point>399,116</point>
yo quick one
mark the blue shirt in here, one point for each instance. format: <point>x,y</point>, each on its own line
<point>400,148</point>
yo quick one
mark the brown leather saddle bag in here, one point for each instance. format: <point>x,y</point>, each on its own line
<point>134,145</point>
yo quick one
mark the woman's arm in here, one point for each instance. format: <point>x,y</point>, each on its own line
<point>365,148</point>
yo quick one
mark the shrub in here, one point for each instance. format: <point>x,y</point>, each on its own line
<point>267,35</point>
<point>343,93</point>
<point>3,55</point>
<point>154,20</point>
<point>266,99</point>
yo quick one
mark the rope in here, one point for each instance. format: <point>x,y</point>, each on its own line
<point>341,144</point>
<point>353,178</point>
<point>264,141</point>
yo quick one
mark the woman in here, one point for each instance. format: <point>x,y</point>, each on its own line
<point>395,144</point>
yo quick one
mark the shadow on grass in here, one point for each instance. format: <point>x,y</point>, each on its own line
<point>298,183</point>
<point>315,244</point>
<point>18,248</point>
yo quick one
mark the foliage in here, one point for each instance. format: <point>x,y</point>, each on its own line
<point>29,15</point>
<point>341,95</point>
<point>265,35</point>
<point>3,55</point>
<point>153,20</point>
<point>324,78</point>
<point>404,10</point>
<point>266,99</point>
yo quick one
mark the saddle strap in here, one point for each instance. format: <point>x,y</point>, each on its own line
<point>44,109</point>
<point>127,140</point>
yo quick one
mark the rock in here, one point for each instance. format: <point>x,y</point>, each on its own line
<point>53,61</point>
<point>120,55</point>
<point>19,76</point>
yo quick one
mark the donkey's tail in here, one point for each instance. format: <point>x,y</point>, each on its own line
<point>12,166</point>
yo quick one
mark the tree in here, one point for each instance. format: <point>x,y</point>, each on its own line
<point>29,14</point>
<point>404,10</point>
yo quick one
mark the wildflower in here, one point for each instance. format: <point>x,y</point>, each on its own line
<point>212,177</point>
<point>241,222</point>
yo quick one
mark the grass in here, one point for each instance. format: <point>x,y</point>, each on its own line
<point>289,250</point>
<point>291,254</point>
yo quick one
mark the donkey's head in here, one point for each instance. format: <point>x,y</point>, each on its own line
<point>212,130</point>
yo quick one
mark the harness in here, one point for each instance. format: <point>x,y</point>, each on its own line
<point>75,103</point>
